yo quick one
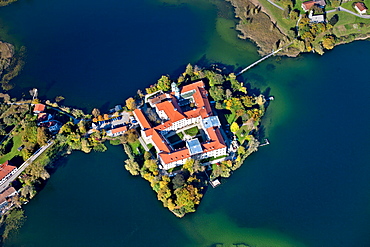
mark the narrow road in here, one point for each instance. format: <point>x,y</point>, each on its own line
<point>277,6</point>
<point>25,164</point>
<point>331,11</point>
<point>353,13</point>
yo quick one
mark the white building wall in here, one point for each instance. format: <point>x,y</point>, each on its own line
<point>213,153</point>
<point>162,114</point>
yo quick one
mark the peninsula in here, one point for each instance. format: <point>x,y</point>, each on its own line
<point>310,26</point>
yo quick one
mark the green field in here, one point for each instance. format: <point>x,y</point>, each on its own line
<point>277,15</point>
<point>242,133</point>
<point>135,146</point>
<point>17,142</point>
<point>349,24</point>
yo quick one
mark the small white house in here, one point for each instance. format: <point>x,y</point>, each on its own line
<point>360,8</point>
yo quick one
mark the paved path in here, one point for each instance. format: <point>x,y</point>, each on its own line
<point>25,164</point>
<point>353,13</point>
<point>331,11</point>
<point>348,11</point>
<point>277,6</point>
<point>143,144</point>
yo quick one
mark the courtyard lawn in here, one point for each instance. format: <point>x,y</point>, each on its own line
<point>192,131</point>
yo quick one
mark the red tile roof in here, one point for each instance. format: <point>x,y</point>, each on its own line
<point>307,5</point>
<point>148,132</point>
<point>5,169</point>
<point>9,191</point>
<point>361,6</point>
<point>142,119</point>
<point>172,112</point>
<point>200,96</point>
<point>120,129</point>
<point>39,108</point>
<point>158,98</point>
<point>160,142</point>
<point>174,156</point>
<point>216,142</point>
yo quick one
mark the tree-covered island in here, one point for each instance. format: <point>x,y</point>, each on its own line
<point>191,132</point>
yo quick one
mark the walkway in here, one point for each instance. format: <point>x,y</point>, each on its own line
<point>262,59</point>
<point>142,142</point>
<point>352,13</point>
<point>25,164</point>
<point>277,6</point>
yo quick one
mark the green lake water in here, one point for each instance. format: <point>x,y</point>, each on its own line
<point>309,187</point>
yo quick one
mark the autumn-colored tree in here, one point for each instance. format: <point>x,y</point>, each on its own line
<point>178,181</point>
<point>42,136</point>
<point>106,116</point>
<point>100,118</point>
<point>189,165</point>
<point>132,136</point>
<point>234,127</point>
<point>95,112</point>
<point>151,165</point>
<point>131,104</point>
<point>164,83</point>
<point>328,42</point>
<point>132,166</point>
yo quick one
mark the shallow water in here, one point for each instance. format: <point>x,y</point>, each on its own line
<point>309,187</point>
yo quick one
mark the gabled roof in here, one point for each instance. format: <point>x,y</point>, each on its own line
<point>172,110</point>
<point>8,192</point>
<point>120,129</point>
<point>200,96</point>
<point>320,2</point>
<point>217,141</point>
<point>160,142</point>
<point>361,6</point>
<point>142,119</point>
<point>39,108</point>
<point>174,156</point>
<point>170,107</point>
<point>5,169</point>
<point>307,5</point>
<point>157,99</point>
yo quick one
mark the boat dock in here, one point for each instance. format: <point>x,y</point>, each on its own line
<point>266,143</point>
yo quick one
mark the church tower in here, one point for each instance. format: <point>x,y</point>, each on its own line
<point>175,89</point>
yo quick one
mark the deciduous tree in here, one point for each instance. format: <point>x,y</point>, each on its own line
<point>131,104</point>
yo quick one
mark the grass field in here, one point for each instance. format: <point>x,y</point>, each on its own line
<point>135,146</point>
<point>17,142</point>
<point>349,24</point>
<point>277,15</point>
<point>242,133</point>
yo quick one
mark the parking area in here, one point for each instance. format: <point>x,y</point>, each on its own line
<point>114,121</point>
